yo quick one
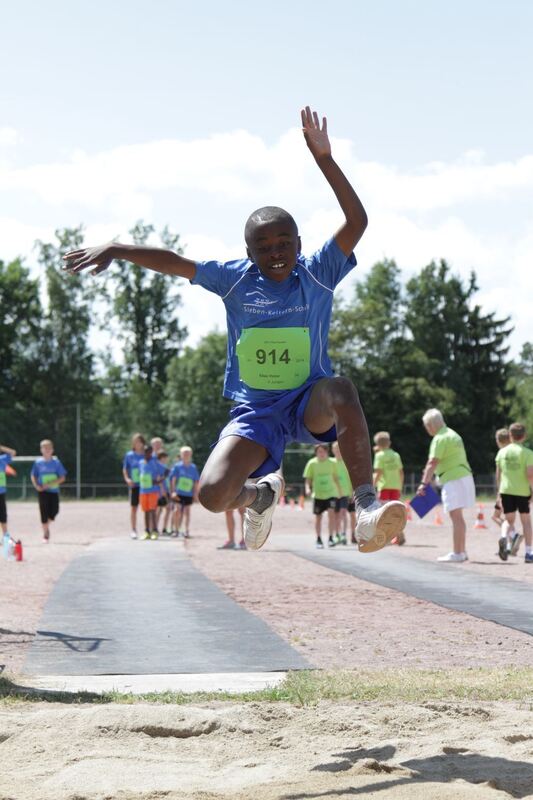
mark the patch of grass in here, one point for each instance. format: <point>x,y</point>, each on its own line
<point>310,687</point>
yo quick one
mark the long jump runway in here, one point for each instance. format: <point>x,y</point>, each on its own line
<point>126,608</point>
<point>501,600</point>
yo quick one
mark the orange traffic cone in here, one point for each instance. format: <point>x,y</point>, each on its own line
<point>409,514</point>
<point>301,501</point>
<point>480,520</point>
<point>438,517</point>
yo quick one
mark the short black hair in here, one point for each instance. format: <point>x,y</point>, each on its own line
<point>266,216</point>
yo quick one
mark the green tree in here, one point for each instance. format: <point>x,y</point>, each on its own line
<point>194,406</point>
<point>465,352</point>
<point>145,304</point>
<point>521,390</point>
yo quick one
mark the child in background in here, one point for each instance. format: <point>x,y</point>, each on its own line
<point>150,477</point>
<point>184,489</point>
<point>514,478</point>
<point>157,445</point>
<point>47,475</point>
<point>344,506</point>
<point>508,536</point>
<point>322,484</point>
<point>7,455</point>
<point>131,474</point>
<point>230,543</point>
<point>164,501</point>
<point>388,473</point>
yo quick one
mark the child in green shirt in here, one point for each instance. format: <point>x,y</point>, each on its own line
<point>322,484</point>
<point>388,473</point>
<point>514,478</point>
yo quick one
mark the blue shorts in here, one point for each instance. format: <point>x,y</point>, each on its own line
<point>275,425</point>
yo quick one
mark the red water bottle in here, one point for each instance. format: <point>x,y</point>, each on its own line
<point>18,550</point>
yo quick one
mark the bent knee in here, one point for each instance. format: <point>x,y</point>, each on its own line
<point>213,496</point>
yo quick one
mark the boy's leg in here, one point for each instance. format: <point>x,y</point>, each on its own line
<point>187,513</point>
<point>331,523</point>
<point>224,484</point>
<point>525,519</point>
<point>230,525</point>
<point>334,401</point>
<point>224,481</point>
<point>318,525</point>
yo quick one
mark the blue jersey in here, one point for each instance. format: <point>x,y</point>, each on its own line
<point>131,464</point>
<point>151,473</point>
<point>45,471</point>
<point>186,476</point>
<point>5,459</point>
<point>277,331</point>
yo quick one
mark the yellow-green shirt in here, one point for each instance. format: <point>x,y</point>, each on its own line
<point>344,478</point>
<point>513,462</point>
<point>321,473</point>
<point>448,447</point>
<point>390,464</point>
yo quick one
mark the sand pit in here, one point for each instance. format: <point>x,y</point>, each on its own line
<point>431,751</point>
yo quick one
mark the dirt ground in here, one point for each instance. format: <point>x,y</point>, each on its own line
<point>260,751</point>
<point>336,620</point>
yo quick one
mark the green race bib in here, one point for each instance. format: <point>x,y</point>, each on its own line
<point>135,474</point>
<point>274,358</point>
<point>2,479</point>
<point>146,481</point>
<point>48,477</point>
<point>185,484</point>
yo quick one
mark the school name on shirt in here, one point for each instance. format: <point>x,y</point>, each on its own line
<point>294,310</point>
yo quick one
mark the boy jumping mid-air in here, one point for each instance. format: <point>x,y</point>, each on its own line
<point>278,306</point>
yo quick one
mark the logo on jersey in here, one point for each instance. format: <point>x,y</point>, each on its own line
<point>260,300</point>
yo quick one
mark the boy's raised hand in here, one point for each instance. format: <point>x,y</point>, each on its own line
<point>97,257</point>
<point>315,136</point>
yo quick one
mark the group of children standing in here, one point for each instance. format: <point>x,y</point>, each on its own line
<point>160,490</point>
<point>328,483</point>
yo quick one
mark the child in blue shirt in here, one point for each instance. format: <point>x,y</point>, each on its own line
<point>184,479</point>
<point>152,473</point>
<point>163,501</point>
<point>131,474</point>
<point>47,475</point>
<point>278,305</point>
<point>6,456</point>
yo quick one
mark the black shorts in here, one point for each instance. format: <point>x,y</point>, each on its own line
<point>515,502</point>
<point>3,508</point>
<point>319,506</point>
<point>184,500</point>
<point>351,507</point>
<point>134,496</point>
<point>162,502</point>
<point>48,506</point>
<point>341,503</point>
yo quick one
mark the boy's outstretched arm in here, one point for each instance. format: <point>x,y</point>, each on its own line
<point>155,258</point>
<point>318,143</point>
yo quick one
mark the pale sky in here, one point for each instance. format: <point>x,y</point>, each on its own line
<point>187,114</point>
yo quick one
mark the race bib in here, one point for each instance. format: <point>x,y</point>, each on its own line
<point>274,358</point>
<point>146,481</point>
<point>135,474</point>
<point>48,477</point>
<point>185,484</point>
<point>2,479</point>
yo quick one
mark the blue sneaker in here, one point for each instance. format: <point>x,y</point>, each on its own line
<point>529,558</point>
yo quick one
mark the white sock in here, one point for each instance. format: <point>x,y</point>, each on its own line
<point>529,550</point>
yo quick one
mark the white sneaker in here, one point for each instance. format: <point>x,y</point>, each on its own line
<point>133,535</point>
<point>258,526</point>
<point>453,557</point>
<point>379,524</point>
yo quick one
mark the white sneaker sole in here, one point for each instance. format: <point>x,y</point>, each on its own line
<point>251,539</point>
<point>390,524</point>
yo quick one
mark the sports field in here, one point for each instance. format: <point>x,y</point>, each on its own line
<point>402,696</point>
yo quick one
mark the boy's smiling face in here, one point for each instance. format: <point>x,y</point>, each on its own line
<point>274,247</point>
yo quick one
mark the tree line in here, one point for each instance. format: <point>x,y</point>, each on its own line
<point>407,346</point>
